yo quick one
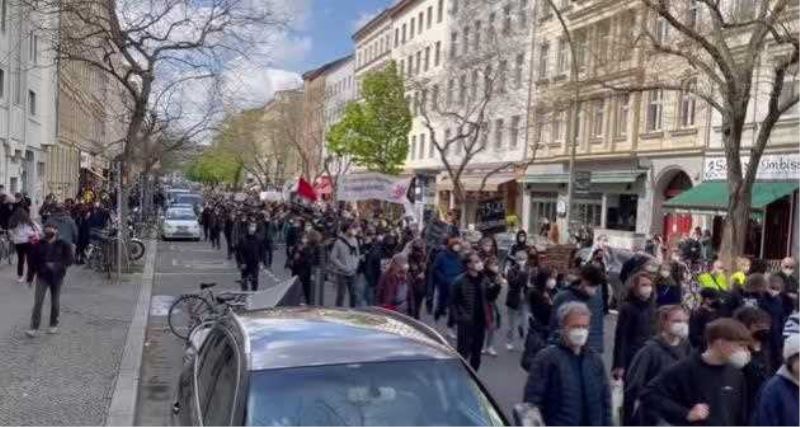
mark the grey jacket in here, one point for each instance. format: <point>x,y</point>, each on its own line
<point>67,230</point>
<point>345,255</point>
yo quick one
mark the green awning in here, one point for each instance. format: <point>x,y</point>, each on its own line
<point>712,196</point>
<point>598,177</point>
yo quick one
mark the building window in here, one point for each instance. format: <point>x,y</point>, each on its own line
<point>437,54</point>
<point>453,44</point>
<point>419,61</point>
<point>544,52</point>
<point>422,146</point>
<point>3,14</point>
<point>507,19</point>
<point>402,68</point>
<point>34,48</point>
<point>490,28</point>
<point>431,146</point>
<point>692,14</point>
<point>435,98</point>
<point>598,110</point>
<point>523,14</point>
<point>603,36</point>
<point>788,91</point>
<point>557,126</point>
<point>588,213</point>
<point>420,20</point>
<point>404,33</point>
<point>562,60</point>
<point>429,21</point>
<point>411,30</point>
<point>487,80</point>
<point>396,37</point>
<point>427,57</point>
<point>466,40</point>
<point>502,73</point>
<point>518,64</point>
<point>32,102</point>
<point>514,141</point>
<point>484,136</point>
<point>477,43</point>
<point>744,10</point>
<point>410,71</point>
<point>660,30</point>
<point>451,89</point>
<point>621,116</point>
<point>439,11</point>
<point>2,83</point>
<point>498,134</point>
<point>580,49</point>
<point>446,143</point>
<point>627,29</point>
<point>413,151</point>
<point>542,209</point>
<point>462,90</point>
<point>453,6</point>
<point>688,104</point>
<point>473,89</point>
<point>655,100</point>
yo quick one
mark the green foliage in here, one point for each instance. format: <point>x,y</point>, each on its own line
<point>374,131</point>
<point>215,166</point>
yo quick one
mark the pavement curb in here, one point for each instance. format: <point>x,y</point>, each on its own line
<point>122,410</point>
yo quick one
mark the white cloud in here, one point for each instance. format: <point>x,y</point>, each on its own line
<point>363,18</point>
<point>247,87</point>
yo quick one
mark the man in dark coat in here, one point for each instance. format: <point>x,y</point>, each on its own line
<point>567,381</point>
<point>249,250</point>
<point>50,259</point>
<point>470,311</point>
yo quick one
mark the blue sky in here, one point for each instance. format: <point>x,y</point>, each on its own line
<point>329,25</point>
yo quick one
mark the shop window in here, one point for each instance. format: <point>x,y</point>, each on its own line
<point>621,213</point>
<point>588,213</point>
<point>543,210</point>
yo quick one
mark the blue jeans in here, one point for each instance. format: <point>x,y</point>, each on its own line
<point>345,283</point>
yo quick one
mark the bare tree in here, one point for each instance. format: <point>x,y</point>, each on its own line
<point>152,47</point>
<point>483,81</point>
<point>714,51</point>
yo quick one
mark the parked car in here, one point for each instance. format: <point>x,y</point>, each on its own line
<point>325,366</point>
<point>180,223</point>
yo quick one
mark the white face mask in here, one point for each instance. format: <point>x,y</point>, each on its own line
<point>664,273</point>
<point>456,248</point>
<point>551,283</point>
<point>739,359</point>
<point>787,271</point>
<point>494,269</point>
<point>578,336</point>
<point>591,290</point>
<point>522,262</point>
<point>646,291</point>
<point>679,329</point>
<point>478,266</point>
<point>773,293</point>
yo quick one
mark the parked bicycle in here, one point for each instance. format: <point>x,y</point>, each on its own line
<point>191,310</point>
<point>7,250</point>
<point>101,254</point>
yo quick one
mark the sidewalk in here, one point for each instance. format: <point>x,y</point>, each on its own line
<point>66,378</point>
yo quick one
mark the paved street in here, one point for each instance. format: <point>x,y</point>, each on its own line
<point>182,265</point>
<point>66,378</point>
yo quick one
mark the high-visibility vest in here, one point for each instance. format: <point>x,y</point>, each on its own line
<point>738,278</point>
<point>713,281</point>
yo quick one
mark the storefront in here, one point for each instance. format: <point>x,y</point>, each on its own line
<point>772,233</point>
<point>489,201</point>
<point>606,197</point>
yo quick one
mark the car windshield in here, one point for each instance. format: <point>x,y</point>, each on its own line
<point>189,199</point>
<point>415,392</point>
<point>181,215</point>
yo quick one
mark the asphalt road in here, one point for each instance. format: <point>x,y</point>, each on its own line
<point>181,266</point>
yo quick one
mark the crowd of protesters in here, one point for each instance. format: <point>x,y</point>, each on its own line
<point>730,359</point>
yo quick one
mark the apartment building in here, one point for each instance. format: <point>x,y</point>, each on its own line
<point>634,150</point>
<point>373,46</point>
<point>27,100</point>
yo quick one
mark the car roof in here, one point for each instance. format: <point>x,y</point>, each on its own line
<point>286,337</point>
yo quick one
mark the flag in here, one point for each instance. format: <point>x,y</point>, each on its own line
<point>305,190</point>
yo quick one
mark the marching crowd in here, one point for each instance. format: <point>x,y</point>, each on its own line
<point>731,360</point>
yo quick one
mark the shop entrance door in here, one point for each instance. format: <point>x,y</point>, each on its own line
<point>675,225</point>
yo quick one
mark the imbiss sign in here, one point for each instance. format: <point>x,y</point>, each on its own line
<point>773,167</point>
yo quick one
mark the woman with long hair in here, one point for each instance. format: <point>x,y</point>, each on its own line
<point>24,233</point>
<point>394,290</point>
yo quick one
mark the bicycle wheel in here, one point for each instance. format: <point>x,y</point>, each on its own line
<point>186,313</point>
<point>135,250</point>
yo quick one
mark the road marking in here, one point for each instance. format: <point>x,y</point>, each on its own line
<point>160,304</point>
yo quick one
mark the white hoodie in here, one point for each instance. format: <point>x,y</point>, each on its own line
<point>22,233</point>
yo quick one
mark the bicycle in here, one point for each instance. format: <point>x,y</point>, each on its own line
<point>7,250</point>
<point>102,253</point>
<point>191,310</point>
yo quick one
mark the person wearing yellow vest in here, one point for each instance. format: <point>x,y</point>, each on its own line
<point>714,279</point>
<point>742,268</point>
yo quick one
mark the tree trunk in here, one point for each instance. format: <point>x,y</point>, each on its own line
<point>734,234</point>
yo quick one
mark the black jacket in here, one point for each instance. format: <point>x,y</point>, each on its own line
<point>698,320</point>
<point>51,259</point>
<point>655,357</point>
<point>517,285</point>
<point>249,251</point>
<point>634,328</point>
<point>691,381</point>
<point>569,389</point>
<point>469,299</point>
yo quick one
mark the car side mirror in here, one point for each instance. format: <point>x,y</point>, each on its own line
<point>526,414</point>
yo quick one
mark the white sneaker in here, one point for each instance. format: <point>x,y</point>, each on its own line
<point>31,333</point>
<point>21,279</point>
<point>52,330</point>
<point>491,352</point>
<point>484,351</point>
<point>510,347</point>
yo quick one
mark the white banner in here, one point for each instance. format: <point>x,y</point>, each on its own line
<point>771,167</point>
<point>373,186</point>
<point>271,196</point>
